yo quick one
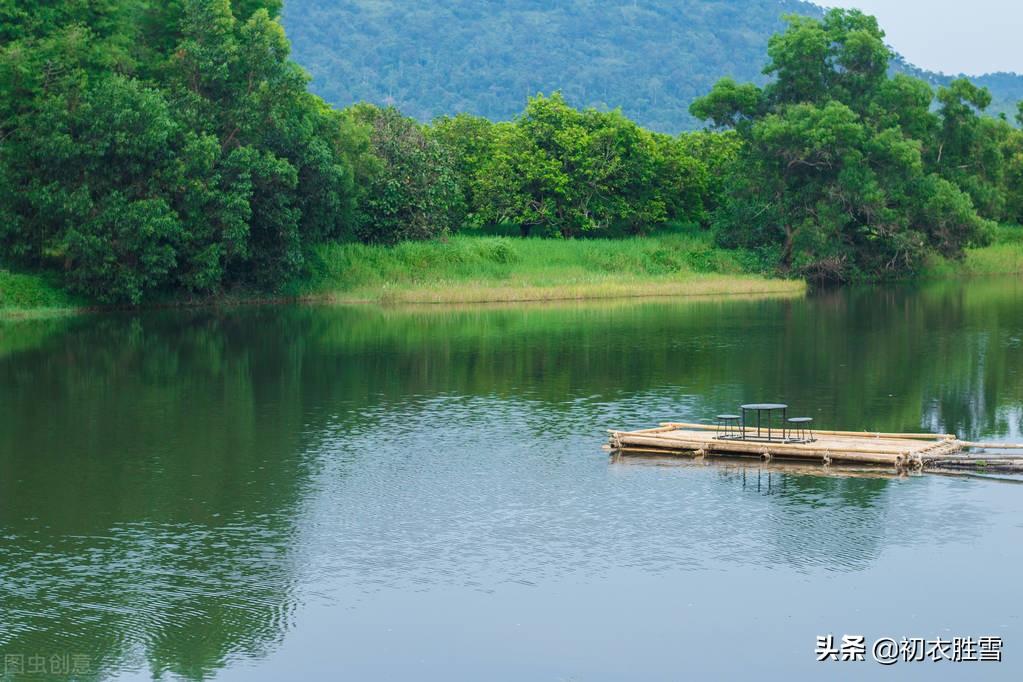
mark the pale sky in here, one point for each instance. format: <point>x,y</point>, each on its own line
<point>954,36</point>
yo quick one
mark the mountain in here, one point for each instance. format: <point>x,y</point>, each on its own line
<point>1006,88</point>
<point>485,57</point>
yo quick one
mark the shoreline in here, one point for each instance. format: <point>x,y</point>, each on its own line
<point>460,293</point>
<point>463,294</point>
<point>471,292</point>
<point>499,271</point>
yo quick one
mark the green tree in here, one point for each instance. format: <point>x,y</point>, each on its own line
<point>408,188</point>
<point>698,171</point>
<point>970,147</point>
<point>560,171</point>
<point>91,188</point>
<point>830,175</point>
<point>468,142</point>
<point>235,80</point>
<point>164,147</point>
<point>1013,153</point>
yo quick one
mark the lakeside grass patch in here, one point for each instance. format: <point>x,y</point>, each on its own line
<point>477,269</point>
<point>1004,256</point>
<point>488,292</point>
<point>465,269</point>
<point>24,294</point>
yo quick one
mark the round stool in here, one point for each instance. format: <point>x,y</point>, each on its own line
<point>801,426</point>
<point>728,426</point>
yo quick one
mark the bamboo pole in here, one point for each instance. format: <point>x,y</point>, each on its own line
<point>734,461</point>
<point>659,429</point>
<point>992,446</point>
<point>762,449</point>
<point>819,432</point>
<point>831,446</point>
<point>896,460</point>
<point>1010,466</point>
<point>978,461</point>
<point>938,445</point>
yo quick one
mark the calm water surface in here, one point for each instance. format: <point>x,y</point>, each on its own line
<point>358,494</point>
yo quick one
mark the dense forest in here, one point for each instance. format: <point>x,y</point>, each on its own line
<point>151,146</point>
<point>848,170</point>
<point>651,58</point>
<point>155,150</point>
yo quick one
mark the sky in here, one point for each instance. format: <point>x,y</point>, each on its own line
<point>954,36</point>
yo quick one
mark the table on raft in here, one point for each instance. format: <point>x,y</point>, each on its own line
<point>760,409</point>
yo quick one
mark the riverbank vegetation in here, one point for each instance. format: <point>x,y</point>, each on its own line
<point>484,269</point>
<point>38,293</point>
<point>1003,256</point>
<point>153,152</point>
<point>478,269</point>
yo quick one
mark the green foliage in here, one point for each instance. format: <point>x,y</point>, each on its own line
<point>729,104</point>
<point>585,266</point>
<point>975,152</point>
<point>22,19</point>
<point>1004,256</point>
<point>558,171</point>
<point>152,150</point>
<point>173,147</point>
<point>36,292</point>
<point>716,153</point>
<point>409,189</point>
<point>831,169</point>
<point>1012,153</point>
<point>468,142</point>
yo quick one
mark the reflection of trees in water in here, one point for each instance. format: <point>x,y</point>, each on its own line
<point>937,357</point>
<point>977,387</point>
<point>945,355</point>
<point>151,469</point>
<point>154,466</point>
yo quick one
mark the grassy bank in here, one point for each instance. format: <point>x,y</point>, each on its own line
<point>466,269</point>
<point>492,269</point>
<point>35,295</point>
<point>1004,256</point>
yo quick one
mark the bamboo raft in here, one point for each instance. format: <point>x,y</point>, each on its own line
<point>899,451</point>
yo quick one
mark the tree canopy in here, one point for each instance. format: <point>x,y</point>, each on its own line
<point>845,170</point>
<point>560,171</point>
<point>164,146</point>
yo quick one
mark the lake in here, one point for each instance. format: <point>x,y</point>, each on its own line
<point>311,492</point>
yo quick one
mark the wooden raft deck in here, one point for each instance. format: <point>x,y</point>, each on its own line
<point>901,451</point>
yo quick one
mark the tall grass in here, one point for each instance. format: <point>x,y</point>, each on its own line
<point>468,268</point>
<point>36,293</point>
<point>1004,256</point>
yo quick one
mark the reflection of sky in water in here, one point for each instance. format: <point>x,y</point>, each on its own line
<point>355,494</point>
<point>448,544</point>
<point>474,501</point>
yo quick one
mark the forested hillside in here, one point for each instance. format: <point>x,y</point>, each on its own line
<point>1006,88</point>
<point>652,58</point>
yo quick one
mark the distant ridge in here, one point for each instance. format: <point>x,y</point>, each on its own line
<point>1006,87</point>
<point>649,57</point>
